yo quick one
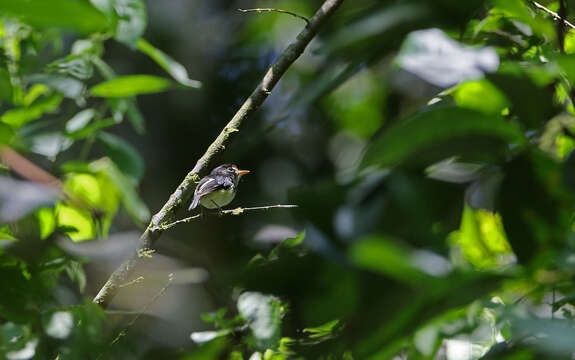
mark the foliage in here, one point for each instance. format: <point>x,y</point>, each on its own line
<point>435,140</point>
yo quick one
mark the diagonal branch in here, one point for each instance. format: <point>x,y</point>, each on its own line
<point>185,189</point>
<point>555,16</point>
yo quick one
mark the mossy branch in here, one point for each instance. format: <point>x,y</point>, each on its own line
<point>185,189</point>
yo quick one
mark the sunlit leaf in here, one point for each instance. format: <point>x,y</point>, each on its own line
<point>130,85</point>
<point>480,95</point>
<point>77,15</point>
<point>134,205</point>
<point>46,221</point>
<point>21,116</point>
<point>172,67</point>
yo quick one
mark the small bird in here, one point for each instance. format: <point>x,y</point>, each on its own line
<point>219,188</point>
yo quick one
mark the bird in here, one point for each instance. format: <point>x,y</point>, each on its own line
<point>218,188</point>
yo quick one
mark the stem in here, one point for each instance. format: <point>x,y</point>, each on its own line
<point>259,10</point>
<point>185,189</point>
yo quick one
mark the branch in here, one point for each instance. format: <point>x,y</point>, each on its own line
<point>185,189</point>
<point>236,211</point>
<point>259,10</point>
<point>555,16</point>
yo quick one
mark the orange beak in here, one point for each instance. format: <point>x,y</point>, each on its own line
<point>243,172</point>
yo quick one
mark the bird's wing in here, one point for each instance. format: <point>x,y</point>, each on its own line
<point>206,185</point>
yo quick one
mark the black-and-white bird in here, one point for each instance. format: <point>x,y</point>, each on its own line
<point>219,188</point>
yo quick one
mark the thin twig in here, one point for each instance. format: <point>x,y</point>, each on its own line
<point>555,16</point>
<point>145,308</point>
<point>259,10</point>
<point>186,188</point>
<point>236,211</point>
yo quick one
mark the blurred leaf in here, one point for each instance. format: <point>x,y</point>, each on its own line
<point>78,222</point>
<point>384,256</point>
<point>92,128</point>
<point>132,21</point>
<point>6,134</point>
<point>263,315</point>
<point>357,105</point>
<point>172,67</point>
<point>46,221</point>
<point>76,273</point>
<point>76,15</point>
<point>94,202</point>
<point>536,222</point>
<point>18,198</point>
<point>531,103</point>
<point>324,330</point>
<point>80,120</point>
<point>482,240</point>
<point>21,116</point>
<point>77,66</point>
<point>440,60</point>
<point>426,129</point>
<point>130,85</point>
<point>135,116</point>
<point>6,234</point>
<point>451,170</point>
<point>200,337</point>
<point>124,155</point>
<point>49,144</point>
<point>134,205</point>
<point>480,95</point>
<point>519,10</point>
<point>68,86</point>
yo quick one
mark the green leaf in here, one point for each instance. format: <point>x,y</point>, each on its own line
<point>132,21</point>
<point>6,234</point>
<point>134,205</point>
<point>92,128</point>
<point>46,222</point>
<point>383,255</point>
<point>172,67</point>
<point>323,330</point>
<point>94,202</point>
<point>21,116</point>
<point>6,134</point>
<point>130,85</point>
<point>123,154</point>
<point>480,95</point>
<point>417,134</point>
<point>76,15</point>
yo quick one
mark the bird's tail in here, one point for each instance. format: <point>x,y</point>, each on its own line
<point>194,203</point>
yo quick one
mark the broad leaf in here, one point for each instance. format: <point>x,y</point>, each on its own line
<point>130,85</point>
<point>172,67</point>
<point>438,126</point>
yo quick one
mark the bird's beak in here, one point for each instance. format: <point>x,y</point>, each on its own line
<point>242,172</point>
